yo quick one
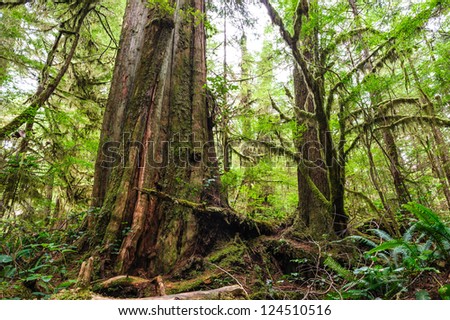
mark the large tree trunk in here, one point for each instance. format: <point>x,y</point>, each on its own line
<point>156,135</point>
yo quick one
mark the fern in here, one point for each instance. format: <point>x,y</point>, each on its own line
<point>363,241</point>
<point>381,233</point>
<point>340,270</point>
<point>430,224</point>
<point>391,244</point>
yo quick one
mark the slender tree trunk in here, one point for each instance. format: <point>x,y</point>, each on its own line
<point>391,149</point>
<point>157,114</point>
<point>398,178</point>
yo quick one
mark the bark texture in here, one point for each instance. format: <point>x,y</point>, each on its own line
<point>156,135</point>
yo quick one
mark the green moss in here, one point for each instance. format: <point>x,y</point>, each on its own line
<point>202,282</point>
<point>73,294</point>
<point>230,255</point>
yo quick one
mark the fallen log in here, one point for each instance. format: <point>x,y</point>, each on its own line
<point>224,293</point>
<point>125,286</point>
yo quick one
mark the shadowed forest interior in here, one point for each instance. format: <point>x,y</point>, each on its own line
<point>225,149</point>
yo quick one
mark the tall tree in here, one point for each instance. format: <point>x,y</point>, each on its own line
<point>157,118</point>
<point>320,169</point>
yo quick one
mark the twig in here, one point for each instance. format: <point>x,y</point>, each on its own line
<point>235,279</point>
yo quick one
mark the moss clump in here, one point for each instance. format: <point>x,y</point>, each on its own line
<point>230,256</point>
<point>15,291</point>
<point>203,282</point>
<point>73,294</point>
<point>126,287</point>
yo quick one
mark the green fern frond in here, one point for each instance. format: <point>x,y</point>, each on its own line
<point>409,233</point>
<point>363,241</point>
<point>381,233</point>
<point>340,270</point>
<point>423,213</point>
<point>389,245</point>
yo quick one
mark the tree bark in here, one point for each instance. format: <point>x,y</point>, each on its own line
<point>313,211</point>
<point>320,185</point>
<point>156,135</point>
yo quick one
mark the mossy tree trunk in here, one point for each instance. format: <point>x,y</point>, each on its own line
<point>313,208</point>
<point>156,135</point>
<point>320,169</point>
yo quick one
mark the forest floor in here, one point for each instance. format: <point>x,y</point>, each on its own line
<point>267,267</point>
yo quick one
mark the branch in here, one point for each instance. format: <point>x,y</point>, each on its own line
<point>228,215</point>
<point>276,20</point>
<point>284,151</point>
<point>298,112</point>
<point>300,11</point>
<point>43,93</point>
<point>280,150</point>
<point>347,76</point>
<point>243,156</point>
<point>401,119</point>
<point>383,106</point>
<point>282,115</point>
<point>365,198</point>
<point>342,37</point>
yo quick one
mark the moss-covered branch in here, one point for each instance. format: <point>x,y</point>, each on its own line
<point>243,224</point>
<point>46,88</point>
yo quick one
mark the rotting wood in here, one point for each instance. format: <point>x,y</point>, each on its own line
<point>124,286</point>
<point>159,285</point>
<point>228,292</point>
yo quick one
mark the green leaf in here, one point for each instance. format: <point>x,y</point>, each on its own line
<point>387,245</point>
<point>5,258</point>
<point>340,270</point>
<point>444,292</point>
<point>33,277</point>
<point>422,295</point>
<point>67,283</point>
<point>46,278</point>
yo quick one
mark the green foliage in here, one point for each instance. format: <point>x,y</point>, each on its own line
<point>36,260</point>
<point>394,261</point>
<point>444,292</point>
<point>164,6</point>
<point>422,295</point>
<point>336,267</point>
